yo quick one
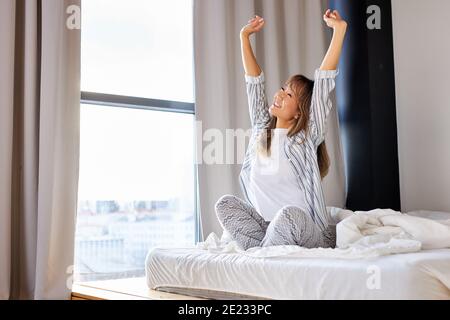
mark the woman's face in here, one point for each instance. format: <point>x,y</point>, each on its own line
<point>284,104</point>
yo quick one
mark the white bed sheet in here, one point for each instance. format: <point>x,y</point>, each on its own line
<point>418,275</point>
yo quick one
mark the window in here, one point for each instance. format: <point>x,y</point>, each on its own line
<point>137,187</point>
<point>138,48</point>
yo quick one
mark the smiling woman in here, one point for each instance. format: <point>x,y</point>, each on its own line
<point>284,202</point>
<point>285,105</point>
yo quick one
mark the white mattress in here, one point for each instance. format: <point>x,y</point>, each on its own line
<point>420,275</point>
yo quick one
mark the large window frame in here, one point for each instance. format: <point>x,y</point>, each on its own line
<point>135,100</point>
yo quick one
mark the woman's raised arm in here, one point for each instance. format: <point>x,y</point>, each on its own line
<point>248,58</point>
<point>254,77</point>
<point>324,82</point>
<point>335,21</point>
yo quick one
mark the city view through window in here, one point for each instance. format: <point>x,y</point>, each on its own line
<point>137,185</point>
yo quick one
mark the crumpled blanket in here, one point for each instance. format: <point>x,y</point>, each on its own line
<point>382,225</point>
<point>360,234</point>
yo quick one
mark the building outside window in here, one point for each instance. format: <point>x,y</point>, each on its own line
<point>137,187</point>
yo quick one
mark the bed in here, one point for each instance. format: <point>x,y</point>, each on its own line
<point>231,275</point>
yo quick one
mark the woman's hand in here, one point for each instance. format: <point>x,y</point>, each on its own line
<point>254,25</point>
<point>334,20</point>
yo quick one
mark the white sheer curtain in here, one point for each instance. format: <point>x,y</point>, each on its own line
<point>294,41</point>
<point>39,146</point>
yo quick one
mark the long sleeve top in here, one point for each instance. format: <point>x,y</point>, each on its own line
<point>301,156</point>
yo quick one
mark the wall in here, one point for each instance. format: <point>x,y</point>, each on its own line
<point>422,67</point>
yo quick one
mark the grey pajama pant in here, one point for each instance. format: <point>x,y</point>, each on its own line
<point>291,226</point>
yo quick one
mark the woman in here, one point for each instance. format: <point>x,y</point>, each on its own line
<point>286,157</point>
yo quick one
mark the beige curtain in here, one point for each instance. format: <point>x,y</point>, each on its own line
<point>294,40</point>
<point>39,146</point>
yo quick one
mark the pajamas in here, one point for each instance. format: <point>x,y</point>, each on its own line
<point>311,227</point>
<point>291,226</point>
<point>300,149</point>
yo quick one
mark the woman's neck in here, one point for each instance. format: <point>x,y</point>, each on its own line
<point>282,124</point>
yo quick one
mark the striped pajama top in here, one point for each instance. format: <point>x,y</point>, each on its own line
<point>301,156</point>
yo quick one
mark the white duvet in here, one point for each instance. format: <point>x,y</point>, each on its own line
<point>360,234</point>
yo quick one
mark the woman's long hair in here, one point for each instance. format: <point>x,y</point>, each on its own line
<point>303,89</point>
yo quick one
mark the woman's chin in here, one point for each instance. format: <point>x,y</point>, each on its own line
<point>273,111</point>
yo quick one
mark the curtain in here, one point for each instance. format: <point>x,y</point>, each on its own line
<point>39,147</point>
<point>293,41</point>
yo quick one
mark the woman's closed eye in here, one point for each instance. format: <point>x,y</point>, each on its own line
<point>290,95</point>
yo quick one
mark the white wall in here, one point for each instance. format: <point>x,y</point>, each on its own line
<point>422,67</point>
